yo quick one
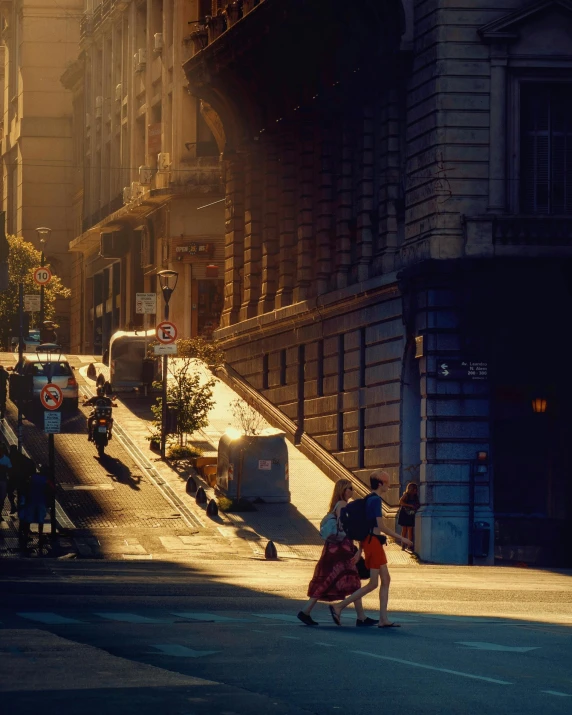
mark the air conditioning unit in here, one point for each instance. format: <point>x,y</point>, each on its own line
<point>140,60</point>
<point>118,93</point>
<point>163,161</point>
<point>126,194</point>
<point>136,190</point>
<point>158,37</point>
<point>98,106</point>
<point>145,174</point>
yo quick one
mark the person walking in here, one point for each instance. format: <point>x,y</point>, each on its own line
<point>409,504</point>
<point>335,575</point>
<point>37,499</point>
<point>4,376</point>
<point>5,466</point>
<point>374,553</point>
<point>22,469</point>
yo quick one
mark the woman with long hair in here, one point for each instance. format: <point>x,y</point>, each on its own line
<point>335,575</point>
<point>409,504</point>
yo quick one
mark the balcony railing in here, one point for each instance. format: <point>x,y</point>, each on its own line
<point>114,205</point>
<point>533,230</point>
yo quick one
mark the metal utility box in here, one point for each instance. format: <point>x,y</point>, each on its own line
<point>253,467</point>
<point>126,354</point>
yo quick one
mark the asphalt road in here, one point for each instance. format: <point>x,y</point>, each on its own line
<point>223,638</point>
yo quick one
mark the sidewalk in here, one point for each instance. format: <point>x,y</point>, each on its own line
<point>294,528</point>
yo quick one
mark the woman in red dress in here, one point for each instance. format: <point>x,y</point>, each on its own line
<point>335,575</point>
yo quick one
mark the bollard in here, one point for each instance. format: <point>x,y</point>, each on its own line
<point>212,508</point>
<point>270,552</point>
<point>201,497</point>
<point>191,487</point>
<point>91,371</point>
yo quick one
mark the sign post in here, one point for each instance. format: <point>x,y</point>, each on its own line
<point>166,333</point>
<point>145,304</point>
<point>52,398</point>
<point>32,303</point>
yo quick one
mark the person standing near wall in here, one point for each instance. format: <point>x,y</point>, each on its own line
<point>409,504</point>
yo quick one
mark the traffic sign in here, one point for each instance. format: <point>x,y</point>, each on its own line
<point>52,422</point>
<point>146,303</point>
<point>51,396</point>
<point>165,349</point>
<point>32,303</point>
<point>166,332</point>
<point>42,276</point>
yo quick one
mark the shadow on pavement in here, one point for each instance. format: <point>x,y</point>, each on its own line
<point>119,472</point>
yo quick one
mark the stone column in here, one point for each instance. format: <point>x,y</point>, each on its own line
<point>286,223</point>
<point>498,128</point>
<point>324,218</point>
<point>234,240</point>
<point>344,190</point>
<point>306,245</point>
<point>269,232</point>
<point>252,234</point>
<point>365,191</point>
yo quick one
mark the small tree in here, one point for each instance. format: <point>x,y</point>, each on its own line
<point>249,420</point>
<point>22,260</point>
<point>208,351</point>
<point>191,395</point>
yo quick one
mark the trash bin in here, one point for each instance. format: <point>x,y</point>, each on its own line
<point>481,539</point>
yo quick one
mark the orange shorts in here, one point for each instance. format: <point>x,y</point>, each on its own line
<point>373,553</point>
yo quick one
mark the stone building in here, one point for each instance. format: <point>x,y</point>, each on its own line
<point>148,193</point>
<point>40,38</point>
<point>398,244</point>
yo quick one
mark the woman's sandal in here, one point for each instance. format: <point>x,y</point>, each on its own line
<point>334,615</point>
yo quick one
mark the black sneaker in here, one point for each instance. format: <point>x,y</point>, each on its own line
<point>365,624</point>
<point>307,620</point>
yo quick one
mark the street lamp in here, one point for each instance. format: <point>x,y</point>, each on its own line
<point>53,354</point>
<point>168,282</point>
<point>43,236</point>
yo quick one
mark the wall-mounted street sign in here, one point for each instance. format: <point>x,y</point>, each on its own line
<point>51,396</point>
<point>31,303</point>
<point>146,303</point>
<point>42,276</point>
<point>166,332</point>
<point>170,349</point>
<point>456,369</point>
<point>52,422</point>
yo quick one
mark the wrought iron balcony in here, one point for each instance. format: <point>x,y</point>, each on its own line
<point>532,230</point>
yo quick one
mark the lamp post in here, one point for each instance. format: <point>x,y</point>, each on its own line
<point>43,236</point>
<point>168,282</point>
<point>52,354</point>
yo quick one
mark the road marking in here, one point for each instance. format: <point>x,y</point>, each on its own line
<point>464,619</point>
<point>431,667</point>
<point>211,617</point>
<point>290,638</point>
<point>51,619</point>
<point>326,645</point>
<point>181,651</point>
<point>277,617</point>
<point>130,618</point>
<point>478,645</point>
<point>555,692</point>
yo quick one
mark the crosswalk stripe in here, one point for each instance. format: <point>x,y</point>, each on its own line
<point>181,651</point>
<point>129,618</point>
<point>52,619</point>
<point>277,617</point>
<point>211,617</point>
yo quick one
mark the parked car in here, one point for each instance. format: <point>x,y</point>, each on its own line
<point>62,376</point>
<point>31,341</point>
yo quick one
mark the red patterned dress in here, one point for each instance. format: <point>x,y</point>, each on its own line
<point>335,576</point>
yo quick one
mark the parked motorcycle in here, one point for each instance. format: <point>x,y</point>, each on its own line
<point>101,428</point>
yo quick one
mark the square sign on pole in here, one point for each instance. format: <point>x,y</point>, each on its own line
<point>52,422</point>
<point>32,303</point>
<point>146,303</point>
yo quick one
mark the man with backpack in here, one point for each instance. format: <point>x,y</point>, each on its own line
<point>362,521</point>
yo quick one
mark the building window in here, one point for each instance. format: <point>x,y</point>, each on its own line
<point>265,371</point>
<point>546,148</point>
<point>283,367</point>
<point>320,370</point>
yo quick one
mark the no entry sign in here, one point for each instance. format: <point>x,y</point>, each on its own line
<point>166,332</point>
<point>42,276</point>
<point>51,397</point>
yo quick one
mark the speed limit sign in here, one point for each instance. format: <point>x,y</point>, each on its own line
<point>42,276</point>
